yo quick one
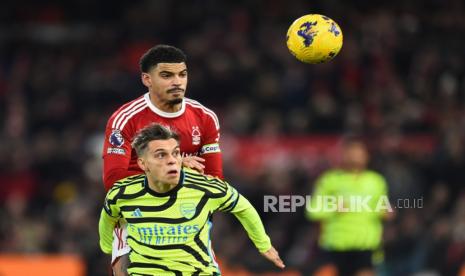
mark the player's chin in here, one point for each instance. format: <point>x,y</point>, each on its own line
<point>176,98</point>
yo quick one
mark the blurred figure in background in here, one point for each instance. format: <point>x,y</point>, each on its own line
<point>164,73</point>
<point>350,233</point>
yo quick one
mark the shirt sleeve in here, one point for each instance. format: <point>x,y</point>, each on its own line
<point>211,150</point>
<point>108,218</point>
<point>235,203</point>
<point>316,209</point>
<point>380,196</point>
<point>116,155</point>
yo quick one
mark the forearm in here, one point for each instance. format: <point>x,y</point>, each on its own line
<point>250,220</point>
<point>105,227</point>
<point>213,164</point>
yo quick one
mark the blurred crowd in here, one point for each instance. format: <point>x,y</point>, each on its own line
<point>66,66</point>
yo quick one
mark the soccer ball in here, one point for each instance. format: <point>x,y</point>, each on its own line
<point>314,38</point>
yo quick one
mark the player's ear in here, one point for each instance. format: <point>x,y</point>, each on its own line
<point>141,163</point>
<point>146,79</point>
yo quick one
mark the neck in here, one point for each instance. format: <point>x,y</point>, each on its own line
<point>160,187</point>
<point>165,106</point>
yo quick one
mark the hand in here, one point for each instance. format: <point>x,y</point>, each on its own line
<point>120,266</point>
<point>273,256</point>
<point>194,162</point>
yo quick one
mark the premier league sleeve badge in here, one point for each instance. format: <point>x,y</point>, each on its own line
<point>116,138</point>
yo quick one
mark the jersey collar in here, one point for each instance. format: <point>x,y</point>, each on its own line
<point>162,113</point>
<point>170,192</point>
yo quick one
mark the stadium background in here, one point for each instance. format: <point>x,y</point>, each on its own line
<point>399,81</point>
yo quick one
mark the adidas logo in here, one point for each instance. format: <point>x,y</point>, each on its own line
<point>137,213</point>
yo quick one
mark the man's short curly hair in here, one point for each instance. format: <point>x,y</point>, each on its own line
<point>161,54</point>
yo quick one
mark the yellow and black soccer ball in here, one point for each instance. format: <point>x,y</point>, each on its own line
<point>314,38</point>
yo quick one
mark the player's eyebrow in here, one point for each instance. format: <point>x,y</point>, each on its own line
<point>159,150</point>
<point>171,72</point>
<point>164,150</point>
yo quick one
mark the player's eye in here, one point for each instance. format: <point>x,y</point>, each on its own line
<point>183,74</point>
<point>160,155</point>
<point>176,153</point>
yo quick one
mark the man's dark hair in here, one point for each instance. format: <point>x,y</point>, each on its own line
<point>152,132</point>
<point>161,54</point>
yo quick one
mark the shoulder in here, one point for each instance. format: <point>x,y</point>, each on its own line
<point>193,174</point>
<point>203,111</point>
<point>329,179</point>
<point>127,111</point>
<point>375,176</point>
<point>208,184</point>
<point>132,184</point>
<point>332,173</point>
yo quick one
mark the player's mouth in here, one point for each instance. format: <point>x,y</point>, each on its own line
<point>173,172</point>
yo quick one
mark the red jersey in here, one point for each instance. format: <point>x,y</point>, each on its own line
<point>197,126</point>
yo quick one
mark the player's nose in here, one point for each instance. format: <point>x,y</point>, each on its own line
<point>172,159</point>
<point>177,80</point>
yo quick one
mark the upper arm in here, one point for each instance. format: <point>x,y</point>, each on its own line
<point>117,142</point>
<point>383,186</point>
<point>116,153</point>
<point>322,186</point>
<point>211,138</point>
<point>210,149</point>
<point>108,218</point>
<point>110,205</point>
<point>315,209</point>
<point>229,199</point>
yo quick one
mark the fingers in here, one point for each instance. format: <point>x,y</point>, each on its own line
<point>278,262</point>
<point>194,162</point>
<point>194,165</point>
<point>197,158</point>
<point>273,256</point>
<point>194,158</point>
<point>197,166</point>
<point>120,266</point>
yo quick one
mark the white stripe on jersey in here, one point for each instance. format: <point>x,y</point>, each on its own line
<point>128,113</point>
<point>124,111</point>
<point>205,110</point>
<point>142,107</point>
